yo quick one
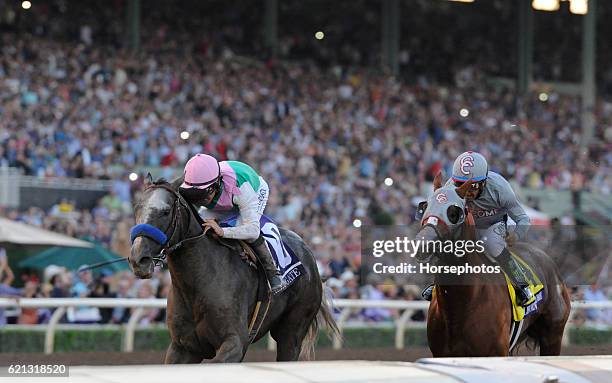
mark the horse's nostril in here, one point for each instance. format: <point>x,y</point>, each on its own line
<point>145,259</point>
<point>140,252</point>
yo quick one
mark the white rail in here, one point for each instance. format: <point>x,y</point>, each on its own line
<point>346,306</point>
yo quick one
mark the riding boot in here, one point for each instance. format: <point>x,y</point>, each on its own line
<point>267,262</point>
<point>517,278</point>
<point>428,292</point>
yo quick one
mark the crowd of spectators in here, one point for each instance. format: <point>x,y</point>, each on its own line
<point>107,223</point>
<point>58,282</point>
<point>325,134</point>
<point>483,33</point>
<point>334,135</point>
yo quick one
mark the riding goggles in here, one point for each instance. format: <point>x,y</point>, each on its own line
<point>475,185</point>
<point>207,190</point>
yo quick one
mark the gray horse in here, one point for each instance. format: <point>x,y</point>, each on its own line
<point>214,292</point>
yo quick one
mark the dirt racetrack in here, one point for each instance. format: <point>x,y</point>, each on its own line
<point>119,358</point>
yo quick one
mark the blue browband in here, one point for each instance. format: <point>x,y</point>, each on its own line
<point>149,231</point>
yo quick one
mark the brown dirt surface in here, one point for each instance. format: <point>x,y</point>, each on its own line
<point>120,358</point>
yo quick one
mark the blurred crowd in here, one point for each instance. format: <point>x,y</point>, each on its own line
<point>325,140</point>
<point>336,141</point>
<point>58,282</point>
<point>107,223</point>
<point>352,33</point>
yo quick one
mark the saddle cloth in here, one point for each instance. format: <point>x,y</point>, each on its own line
<point>535,285</point>
<point>289,265</point>
<point>519,313</point>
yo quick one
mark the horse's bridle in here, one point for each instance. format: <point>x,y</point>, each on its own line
<point>168,249</point>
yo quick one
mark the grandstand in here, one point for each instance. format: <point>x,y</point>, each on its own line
<point>327,101</point>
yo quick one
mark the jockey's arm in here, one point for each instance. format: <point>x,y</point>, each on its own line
<point>515,211</point>
<point>247,227</point>
<point>209,213</point>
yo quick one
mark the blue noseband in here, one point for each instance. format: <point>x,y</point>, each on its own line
<point>149,231</point>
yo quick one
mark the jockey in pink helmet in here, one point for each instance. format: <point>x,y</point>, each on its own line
<point>226,188</point>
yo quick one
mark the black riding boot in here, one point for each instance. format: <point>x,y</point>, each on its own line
<point>265,258</point>
<point>517,278</point>
<point>427,294</point>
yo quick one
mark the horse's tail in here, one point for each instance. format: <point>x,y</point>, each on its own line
<point>323,318</point>
<point>529,341</point>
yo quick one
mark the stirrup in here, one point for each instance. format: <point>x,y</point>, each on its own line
<point>525,296</point>
<point>280,288</point>
<point>428,292</point>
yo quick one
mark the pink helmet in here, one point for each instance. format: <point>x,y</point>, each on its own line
<point>201,171</point>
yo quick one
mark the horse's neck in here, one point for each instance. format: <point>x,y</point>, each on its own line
<point>470,259</point>
<point>194,227</point>
<point>188,266</point>
<point>459,290</point>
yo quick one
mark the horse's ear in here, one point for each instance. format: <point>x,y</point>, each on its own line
<point>148,179</point>
<point>463,189</point>
<point>470,225</point>
<point>437,182</point>
<point>469,217</point>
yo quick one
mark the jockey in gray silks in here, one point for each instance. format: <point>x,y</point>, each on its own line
<point>491,199</point>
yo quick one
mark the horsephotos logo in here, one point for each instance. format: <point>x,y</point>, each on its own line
<point>427,268</point>
<point>405,246</point>
<point>405,255</point>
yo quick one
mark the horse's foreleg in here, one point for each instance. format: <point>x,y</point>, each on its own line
<point>230,351</point>
<point>179,355</point>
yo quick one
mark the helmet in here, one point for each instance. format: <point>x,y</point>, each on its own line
<point>470,165</point>
<point>201,171</point>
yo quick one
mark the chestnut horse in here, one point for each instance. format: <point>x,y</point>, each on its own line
<point>470,314</point>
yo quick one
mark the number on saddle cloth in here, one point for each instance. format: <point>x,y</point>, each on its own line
<point>269,230</point>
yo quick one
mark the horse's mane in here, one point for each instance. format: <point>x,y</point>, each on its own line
<point>158,182</point>
<point>161,181</point>
<point>174,186</point>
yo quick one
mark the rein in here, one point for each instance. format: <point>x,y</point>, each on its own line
<point>161,236</point>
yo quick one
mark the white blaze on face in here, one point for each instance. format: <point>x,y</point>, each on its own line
<point>156,202</point>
